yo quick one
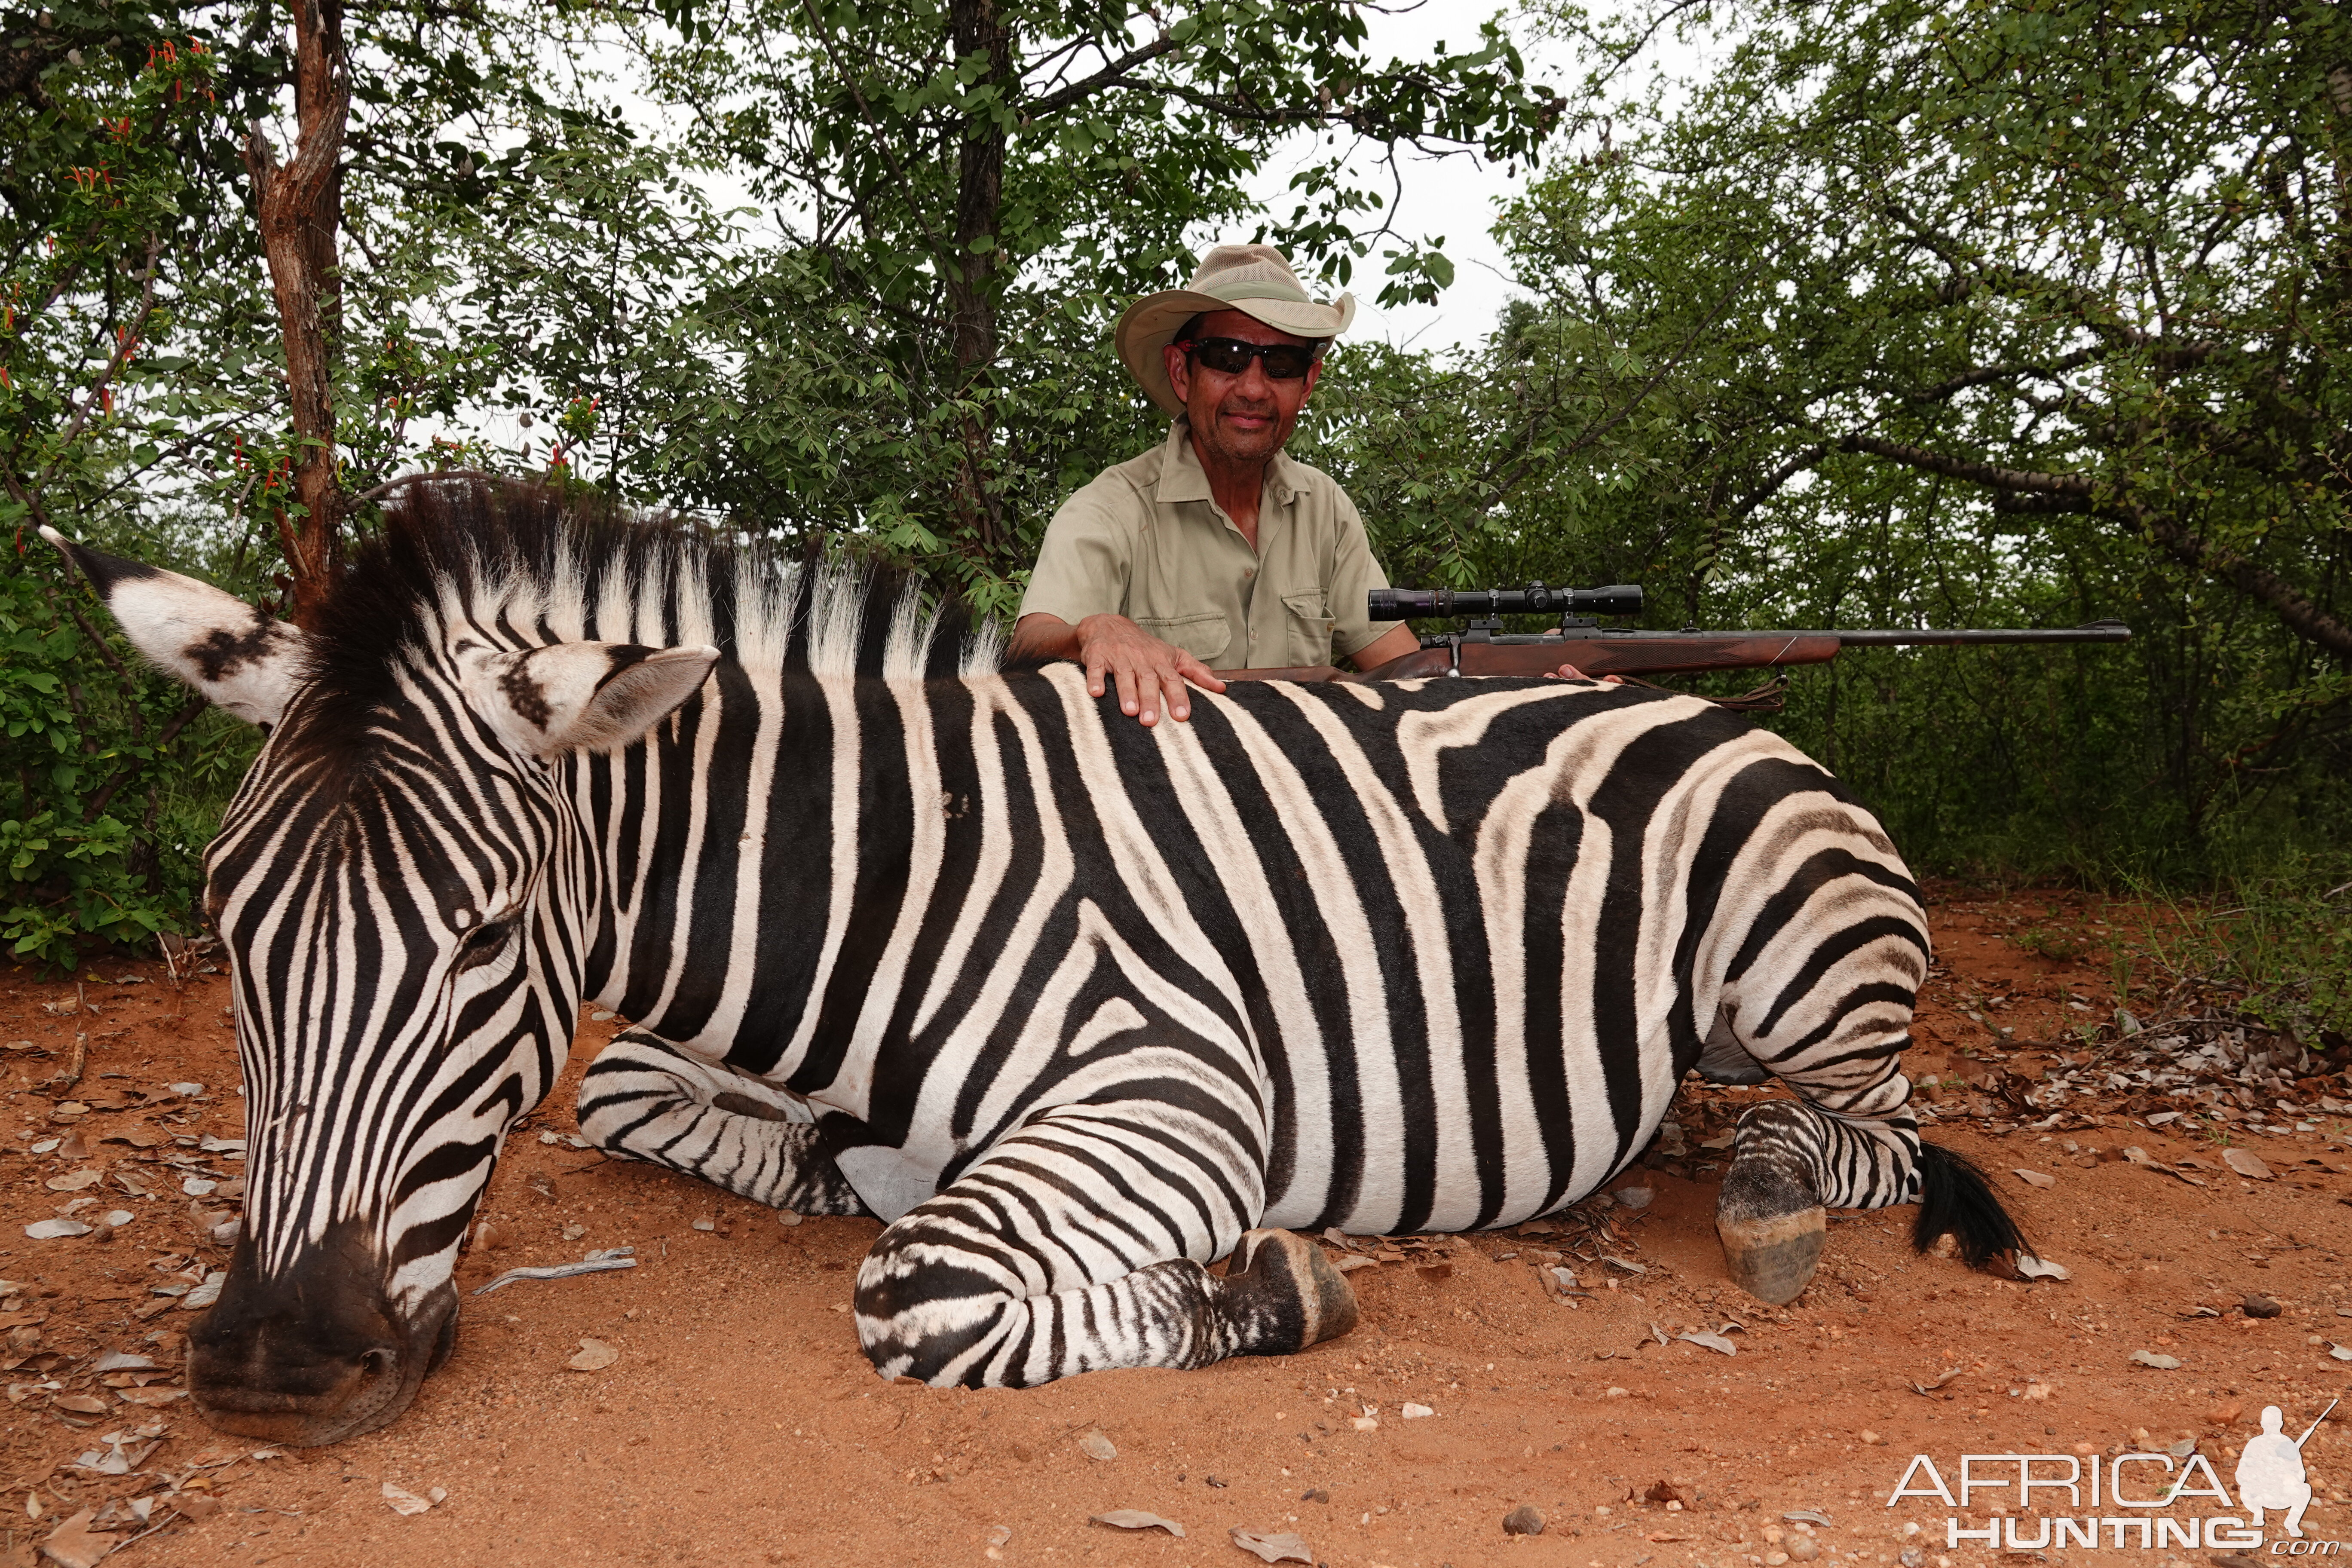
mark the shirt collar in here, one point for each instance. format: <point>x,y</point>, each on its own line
<point>1182,478</point>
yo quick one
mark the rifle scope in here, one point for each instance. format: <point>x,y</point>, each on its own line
<point>1535,599</point>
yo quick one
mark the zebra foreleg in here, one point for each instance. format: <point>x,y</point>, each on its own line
<point>643,1099</point>
<point>1019,1273</point>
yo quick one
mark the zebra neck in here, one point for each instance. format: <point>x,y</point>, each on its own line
<point>762,850</point>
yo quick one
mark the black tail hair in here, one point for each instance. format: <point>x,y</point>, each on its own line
<point>1955,1199</point>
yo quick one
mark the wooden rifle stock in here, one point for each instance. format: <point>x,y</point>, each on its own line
<point>1597,653</point>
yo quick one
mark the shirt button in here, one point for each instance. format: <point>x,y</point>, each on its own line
<point>1248,572</point>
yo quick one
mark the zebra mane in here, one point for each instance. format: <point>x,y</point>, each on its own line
<point>543,564</point>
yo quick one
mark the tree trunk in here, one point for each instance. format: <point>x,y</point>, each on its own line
<point>975,28</point>
<point>299,204</point>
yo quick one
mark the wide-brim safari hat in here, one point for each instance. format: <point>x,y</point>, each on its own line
<point>1253,278</point>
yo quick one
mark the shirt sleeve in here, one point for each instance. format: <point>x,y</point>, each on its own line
<point>1354,573</point>
<point>1088,558</point>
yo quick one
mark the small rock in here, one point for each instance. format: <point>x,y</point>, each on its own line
<point>1414,1412</point>
<point>2161,1363</point>
<point>197,1186</point>
<point>787,1217</point>
<point>1803,1549</point>
<point>2034,1178</point>
<point>1871,1437</point>
<point>704,1222</point>
<point>1523,1520</point>
<point>2226,1414</point>
<point>1912,1557</point>
<point>574,1231</point>
<point>2339,1353</point>
<point>548,1138</point>
<point>1632,1198</point>
<point>2260,1307</point>
<point>1314,1495</point>
<point>1094,1446</point>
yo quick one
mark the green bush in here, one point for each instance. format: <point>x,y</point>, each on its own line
<point>111,779</point>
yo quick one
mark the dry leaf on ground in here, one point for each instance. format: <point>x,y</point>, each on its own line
<point>2150,1357</point>
<point>2034,1178</point>
<point>74,1544</point>
<point>2247,1163</point>
<point>2032,1268</point>
<point>1094,1446</point>
<point>402,1501</point>
<point>595,1355</point>
<point>1135,1518</point>
<point>1283,1548</point>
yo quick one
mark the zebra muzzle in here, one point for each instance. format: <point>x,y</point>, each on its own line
<point>316,1354</point>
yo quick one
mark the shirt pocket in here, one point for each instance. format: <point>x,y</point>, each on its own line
<point>1310,618</point>
<point>1204,635</point>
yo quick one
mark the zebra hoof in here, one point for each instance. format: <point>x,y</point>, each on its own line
<point>1773,1259</point>
<point>1772,1229</point>
<point>1285,1295</point>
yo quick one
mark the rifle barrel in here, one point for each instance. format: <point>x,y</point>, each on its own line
<point>2096,631</point>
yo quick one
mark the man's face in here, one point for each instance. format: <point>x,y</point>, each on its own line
<point>1239,420</point>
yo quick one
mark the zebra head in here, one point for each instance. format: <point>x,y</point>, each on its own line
<point>399,890</point>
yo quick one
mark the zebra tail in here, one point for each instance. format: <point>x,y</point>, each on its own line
<point>1956,1200</point>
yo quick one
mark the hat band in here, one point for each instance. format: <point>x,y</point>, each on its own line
<point>1296,296</point>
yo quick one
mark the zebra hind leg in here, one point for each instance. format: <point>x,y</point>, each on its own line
<point>1794,1160</point>
<point>643,1099</point>
<point>1073,1245</point>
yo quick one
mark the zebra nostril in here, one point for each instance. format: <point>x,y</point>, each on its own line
<point>376,1362</point>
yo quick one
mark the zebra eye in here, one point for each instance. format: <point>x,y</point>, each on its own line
<point>484,944</point>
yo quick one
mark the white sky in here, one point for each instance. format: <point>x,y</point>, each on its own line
<point>1455,198</point>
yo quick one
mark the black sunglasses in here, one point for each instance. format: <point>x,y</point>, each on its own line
<point>1232,356</point>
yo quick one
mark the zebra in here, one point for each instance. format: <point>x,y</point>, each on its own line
<point>1074,1008</point>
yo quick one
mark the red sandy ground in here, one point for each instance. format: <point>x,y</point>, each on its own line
<point>740,1425</point>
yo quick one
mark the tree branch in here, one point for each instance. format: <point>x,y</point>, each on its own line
<point>2079,493</point>
<point>1111,75</point>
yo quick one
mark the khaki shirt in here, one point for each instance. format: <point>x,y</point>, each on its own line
<point>1146,541</point>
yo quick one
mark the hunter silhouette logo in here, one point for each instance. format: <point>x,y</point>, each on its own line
<point>2270,1472</point>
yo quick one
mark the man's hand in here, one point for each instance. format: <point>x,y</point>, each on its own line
<point>1570,672</point>
<point>1150,674</point>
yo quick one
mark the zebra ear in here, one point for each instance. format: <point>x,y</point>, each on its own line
<point>581,696</point>
<point>239,656</point>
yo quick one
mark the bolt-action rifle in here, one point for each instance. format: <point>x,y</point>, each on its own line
<point>1484,648</point>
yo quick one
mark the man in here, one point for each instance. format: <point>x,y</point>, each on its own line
<point>2271,1472</point>
<point>1214,550</point>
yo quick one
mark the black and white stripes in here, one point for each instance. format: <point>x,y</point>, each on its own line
<point>1076,1008</point>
